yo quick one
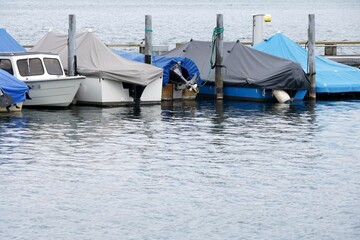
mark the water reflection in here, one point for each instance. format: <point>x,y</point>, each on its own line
<point>84,131</point>
<point>245,131</point>
<point>173,109</point>
<point>222,110</point>
<point>81,122</point>
<point>170,164</point>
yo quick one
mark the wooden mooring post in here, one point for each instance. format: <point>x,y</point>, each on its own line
<point>148,39</point>
<point>138,89</point>
<point>219,46</point>
<point>311,57</point>
<point>71,45</point>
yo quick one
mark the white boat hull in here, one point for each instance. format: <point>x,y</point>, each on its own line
<point>104,92</point>
<point>58,92</point>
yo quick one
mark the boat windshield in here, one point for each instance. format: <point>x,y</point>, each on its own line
<point>53,66</point>
<point>5,64</point>
<point>30,67</point>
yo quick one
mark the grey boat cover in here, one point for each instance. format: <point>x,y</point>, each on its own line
<point>95,59</point>
<point>244,66</point>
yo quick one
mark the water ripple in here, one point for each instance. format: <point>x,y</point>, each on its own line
<point>190,170</point>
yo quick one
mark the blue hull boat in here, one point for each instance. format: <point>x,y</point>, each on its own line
<point>250,94</point>
<point>248,74</point>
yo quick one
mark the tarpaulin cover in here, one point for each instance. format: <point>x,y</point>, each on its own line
<point>244,66</point>
<point>12,86</point>
<point>8,43</point>
<point>165,63</point>
<point>95,59</point>
<point>331,77</point>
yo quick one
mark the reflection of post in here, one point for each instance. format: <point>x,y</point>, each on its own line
<point>148,38</point>
<point>219,110</point>
<point>311,56</point>
<point>311,109</point>
<point>71,45</point>
<point>219,57</point>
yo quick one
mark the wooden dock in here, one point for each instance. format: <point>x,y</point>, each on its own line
<point>351,60</point>
<point>331,52</point>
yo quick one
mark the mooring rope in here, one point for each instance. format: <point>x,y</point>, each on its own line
<point>216,32</point>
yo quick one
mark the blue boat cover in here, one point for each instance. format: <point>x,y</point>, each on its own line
<point>165,63</point>
<point>12,86</point>
<point>8,43</point>
<point>331,76</point>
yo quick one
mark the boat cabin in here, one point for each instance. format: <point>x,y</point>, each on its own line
<point>32,66</point>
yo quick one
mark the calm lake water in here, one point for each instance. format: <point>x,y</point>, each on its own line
<point>187,170</point>
<point>122,21</point>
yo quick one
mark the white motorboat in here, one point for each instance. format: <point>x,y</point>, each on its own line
<point>107,92</point>
<point>44,75</point>
<point>110,79</point>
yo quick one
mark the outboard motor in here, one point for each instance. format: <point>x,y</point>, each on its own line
<point>135,91</point>
<point>180,81</point>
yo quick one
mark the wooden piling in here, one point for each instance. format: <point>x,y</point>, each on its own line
<point>311,57</point>
<point>71,45</point>
<point>219,45</point>
<point>148,39</point>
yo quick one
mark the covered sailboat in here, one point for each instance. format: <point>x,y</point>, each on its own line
<point>110,79</point>
<point>248,74</point>
<point>8,43</point>
<point>332,78</point>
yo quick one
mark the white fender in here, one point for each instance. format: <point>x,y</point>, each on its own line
<point>281,96</point>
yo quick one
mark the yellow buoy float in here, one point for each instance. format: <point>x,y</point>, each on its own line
<point>267,18</point>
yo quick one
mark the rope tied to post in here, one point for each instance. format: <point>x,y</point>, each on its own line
<point>310,74</point>
<point>216,32</point>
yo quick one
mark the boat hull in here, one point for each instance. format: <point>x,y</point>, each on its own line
<point>14,108</point>
<point>248,94</point>
<point>169,93</point>
<point>58,92</point>
<point>104,92</point>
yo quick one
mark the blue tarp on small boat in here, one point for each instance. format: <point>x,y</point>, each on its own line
<point>331,77</point>
<point>8,43</point>
<point>165,63</point>
<point>12,86</point>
